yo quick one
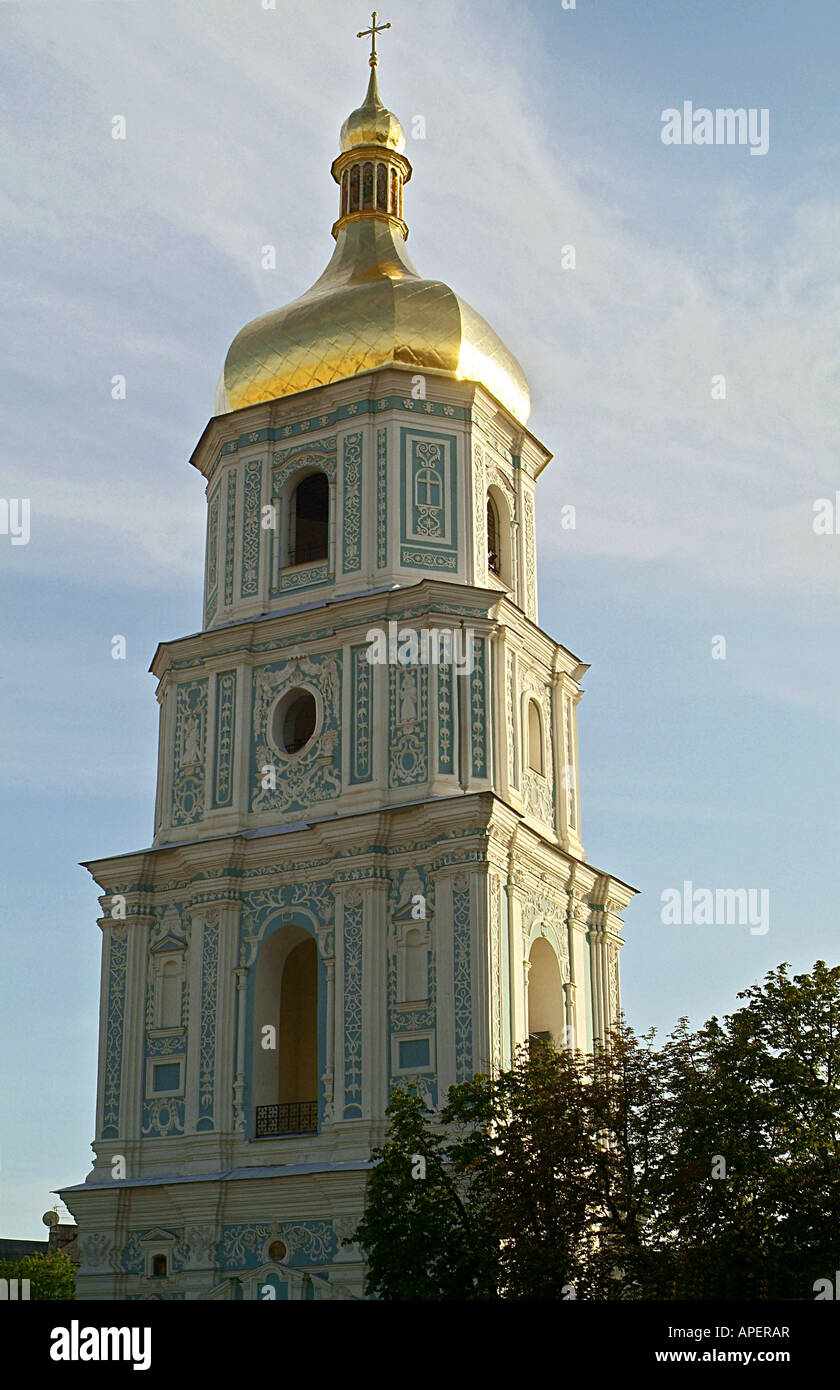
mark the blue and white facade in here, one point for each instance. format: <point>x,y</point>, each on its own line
<point>363,874</point>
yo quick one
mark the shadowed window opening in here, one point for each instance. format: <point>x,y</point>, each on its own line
<point>494,562</point>
<point>295,719</point>
<point>310,520</point>
<point>535,737</point>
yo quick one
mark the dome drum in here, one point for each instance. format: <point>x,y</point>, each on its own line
<point>371,180</point>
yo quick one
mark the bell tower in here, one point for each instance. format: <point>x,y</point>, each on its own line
<point>367,868</point>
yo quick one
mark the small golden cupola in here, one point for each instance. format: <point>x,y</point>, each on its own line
<point>370,308</point>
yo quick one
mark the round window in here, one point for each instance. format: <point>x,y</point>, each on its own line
<point>276,1251</point>
<point>294,721</point>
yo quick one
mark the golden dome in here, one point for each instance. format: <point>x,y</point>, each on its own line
<point>372,123</point>
<point>370,308</point>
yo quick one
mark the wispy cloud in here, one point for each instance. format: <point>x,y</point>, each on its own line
<point>620,351</point>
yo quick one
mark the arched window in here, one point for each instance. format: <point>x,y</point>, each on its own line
<point>345,191</point>
<point>494,563</point>
<point>393,203</point>
<point>170,996</point>
<point>499,537</point>
<point>354,188</point>
<point>158,1266</point>
<point>310,514</point>
<point>382,187</point>
<point>367,186</point>
<point>535,737</point>
<point>285,1075</point>
<point>545,994</point>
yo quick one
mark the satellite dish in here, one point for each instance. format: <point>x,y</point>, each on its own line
<point>51,1218</point>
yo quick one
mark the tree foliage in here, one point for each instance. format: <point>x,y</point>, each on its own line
<point>51,1274</point>
<point>707,1167</point>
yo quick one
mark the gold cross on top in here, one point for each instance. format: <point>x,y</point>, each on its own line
<point>373,31</point>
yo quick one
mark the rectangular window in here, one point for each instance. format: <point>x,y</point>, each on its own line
<point>413,1053</point>
<point>166,1076</point>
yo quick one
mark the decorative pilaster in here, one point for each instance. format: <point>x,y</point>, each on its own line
<point>134,1081</point>
<point>444,944</point>
<point>375,1007</point>
<point>239,1116</point>
<point>193,985</point>
<point>326,949</point>
<point>571,1040</point>
<point>599,976</point>
<point>115,964</point>
<point>225,1057</point>
<point>518,979</point>
<point>349,914</point>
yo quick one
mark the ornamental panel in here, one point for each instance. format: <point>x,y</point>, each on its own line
<point>225,715</point>
<point>381,499</point>
<point>478,709</point>
<point>352,509</point>
<point>117,962</point>
<point>212,558</point>
<point>361,717</point>
<point>408,702</point>
<point>446,718</point>
<point>298,780</point>
<point>230,536</point>
<point>306,1242</point>
<point>353,916</point>
<point>428,493</point>
<point>189,752</point>
<point>252,498</point>
<point>463,977</point>
<point>209,1002</point>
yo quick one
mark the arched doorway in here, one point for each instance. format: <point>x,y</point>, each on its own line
<point>546,1012</point>
<point>285,1035</point>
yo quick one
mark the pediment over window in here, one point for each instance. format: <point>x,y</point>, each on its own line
<point>409,913</point>
<point>167,943</point>
<point>157,1237</point>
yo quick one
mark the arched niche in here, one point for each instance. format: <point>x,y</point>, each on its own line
<point>536,742</point>
<point>546,1011</point>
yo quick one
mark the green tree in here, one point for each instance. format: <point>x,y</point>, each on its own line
<point>422,1239</point>
<point>760,1094</point>
<point>521,1148</point>
<point>51,1274</point>
<point>703,1168</point>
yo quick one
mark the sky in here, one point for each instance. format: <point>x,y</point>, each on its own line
<point>694,513</point>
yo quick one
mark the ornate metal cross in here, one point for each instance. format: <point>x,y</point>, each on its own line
<point>373,31</point>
